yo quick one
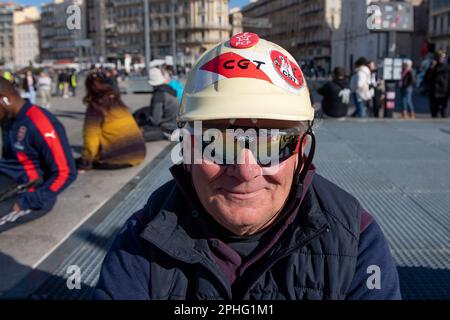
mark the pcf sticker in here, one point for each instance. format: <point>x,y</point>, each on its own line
<point>287,69</point>
<point>244,40</point>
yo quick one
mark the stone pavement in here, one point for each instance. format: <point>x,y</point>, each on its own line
<point>400,172</point>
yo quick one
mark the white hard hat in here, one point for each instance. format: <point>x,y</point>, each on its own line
<point>246,78</point>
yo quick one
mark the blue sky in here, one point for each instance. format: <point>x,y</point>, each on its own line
<point>233,3</point>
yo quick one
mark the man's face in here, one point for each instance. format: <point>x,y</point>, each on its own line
<point>238,196</point>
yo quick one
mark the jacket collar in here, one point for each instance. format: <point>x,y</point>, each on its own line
<point>22,113</point>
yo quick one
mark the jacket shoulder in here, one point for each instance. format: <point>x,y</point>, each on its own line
<point>338,204</point>
<point>163,198</point>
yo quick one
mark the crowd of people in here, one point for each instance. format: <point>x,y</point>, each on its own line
<point>365,91</point>
<point>37,163</point>
<point>44,83</point>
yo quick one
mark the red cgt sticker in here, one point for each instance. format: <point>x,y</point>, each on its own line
<point>232,65</point>
<point>287,69</point>
<point>244,40</point>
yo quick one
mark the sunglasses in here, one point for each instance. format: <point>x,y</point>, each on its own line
<point>268,146</point>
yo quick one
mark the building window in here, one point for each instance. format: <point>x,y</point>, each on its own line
<point>203,20</point>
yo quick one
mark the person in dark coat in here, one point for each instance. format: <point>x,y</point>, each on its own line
<point>336,95</point>
<point>158,121</point>
<point>437,80</point>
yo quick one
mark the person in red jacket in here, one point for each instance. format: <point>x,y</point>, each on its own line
<point>36,163</point>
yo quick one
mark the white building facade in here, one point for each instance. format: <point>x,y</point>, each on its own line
<point>26,43</point>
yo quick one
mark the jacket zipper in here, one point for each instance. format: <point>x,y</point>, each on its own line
<point>284,255</point>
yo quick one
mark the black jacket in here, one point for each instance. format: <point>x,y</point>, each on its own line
<point>336,98</point>
<point>437,80</point>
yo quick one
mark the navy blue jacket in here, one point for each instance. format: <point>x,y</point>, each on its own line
<point>35,147</point>
<point>325,250</point>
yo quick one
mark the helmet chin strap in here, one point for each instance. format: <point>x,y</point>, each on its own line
<point>303,165</point>
<point>295,195</point>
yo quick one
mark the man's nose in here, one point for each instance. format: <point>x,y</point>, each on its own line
<point>246,167</point>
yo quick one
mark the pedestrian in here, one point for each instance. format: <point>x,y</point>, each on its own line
<point>36,164</point>
<point>54,79</point>
<point>45,88</point>
<point>73,82</point>
<point>64,83</point>
<point>112,139</point>
<point>29,86</point>
<point>234,226</point>
<point>437,82</point>
<point>407,84</point>
<point>158,121</point>
<point>336,95</point>
<point>375,105</point>
<point>360,85</point>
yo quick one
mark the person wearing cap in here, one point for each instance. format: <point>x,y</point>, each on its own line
<point>243,224</point>
<point>437,80</point>
<point>158,121</point>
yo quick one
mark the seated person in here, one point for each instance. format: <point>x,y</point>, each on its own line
<point>112,139</point>
<point>158,121</point>
<point>36,163</point>
<point>336,95</point>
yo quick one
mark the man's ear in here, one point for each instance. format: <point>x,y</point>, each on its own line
<point>306,141</point>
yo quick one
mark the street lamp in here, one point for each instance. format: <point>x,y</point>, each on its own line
<point>174,36</point>
<point>147,36</point>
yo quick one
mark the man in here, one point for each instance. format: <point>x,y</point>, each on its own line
<point>336,95</point>
<point>437,81</point>
<point>37,162</point>
<point>378,89</point>
<point>44,85</point>
<point>245,228</point>
<point>407,84</point>
<point>360,85</point>
<point>73,82</point>
<point>159,120</point>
